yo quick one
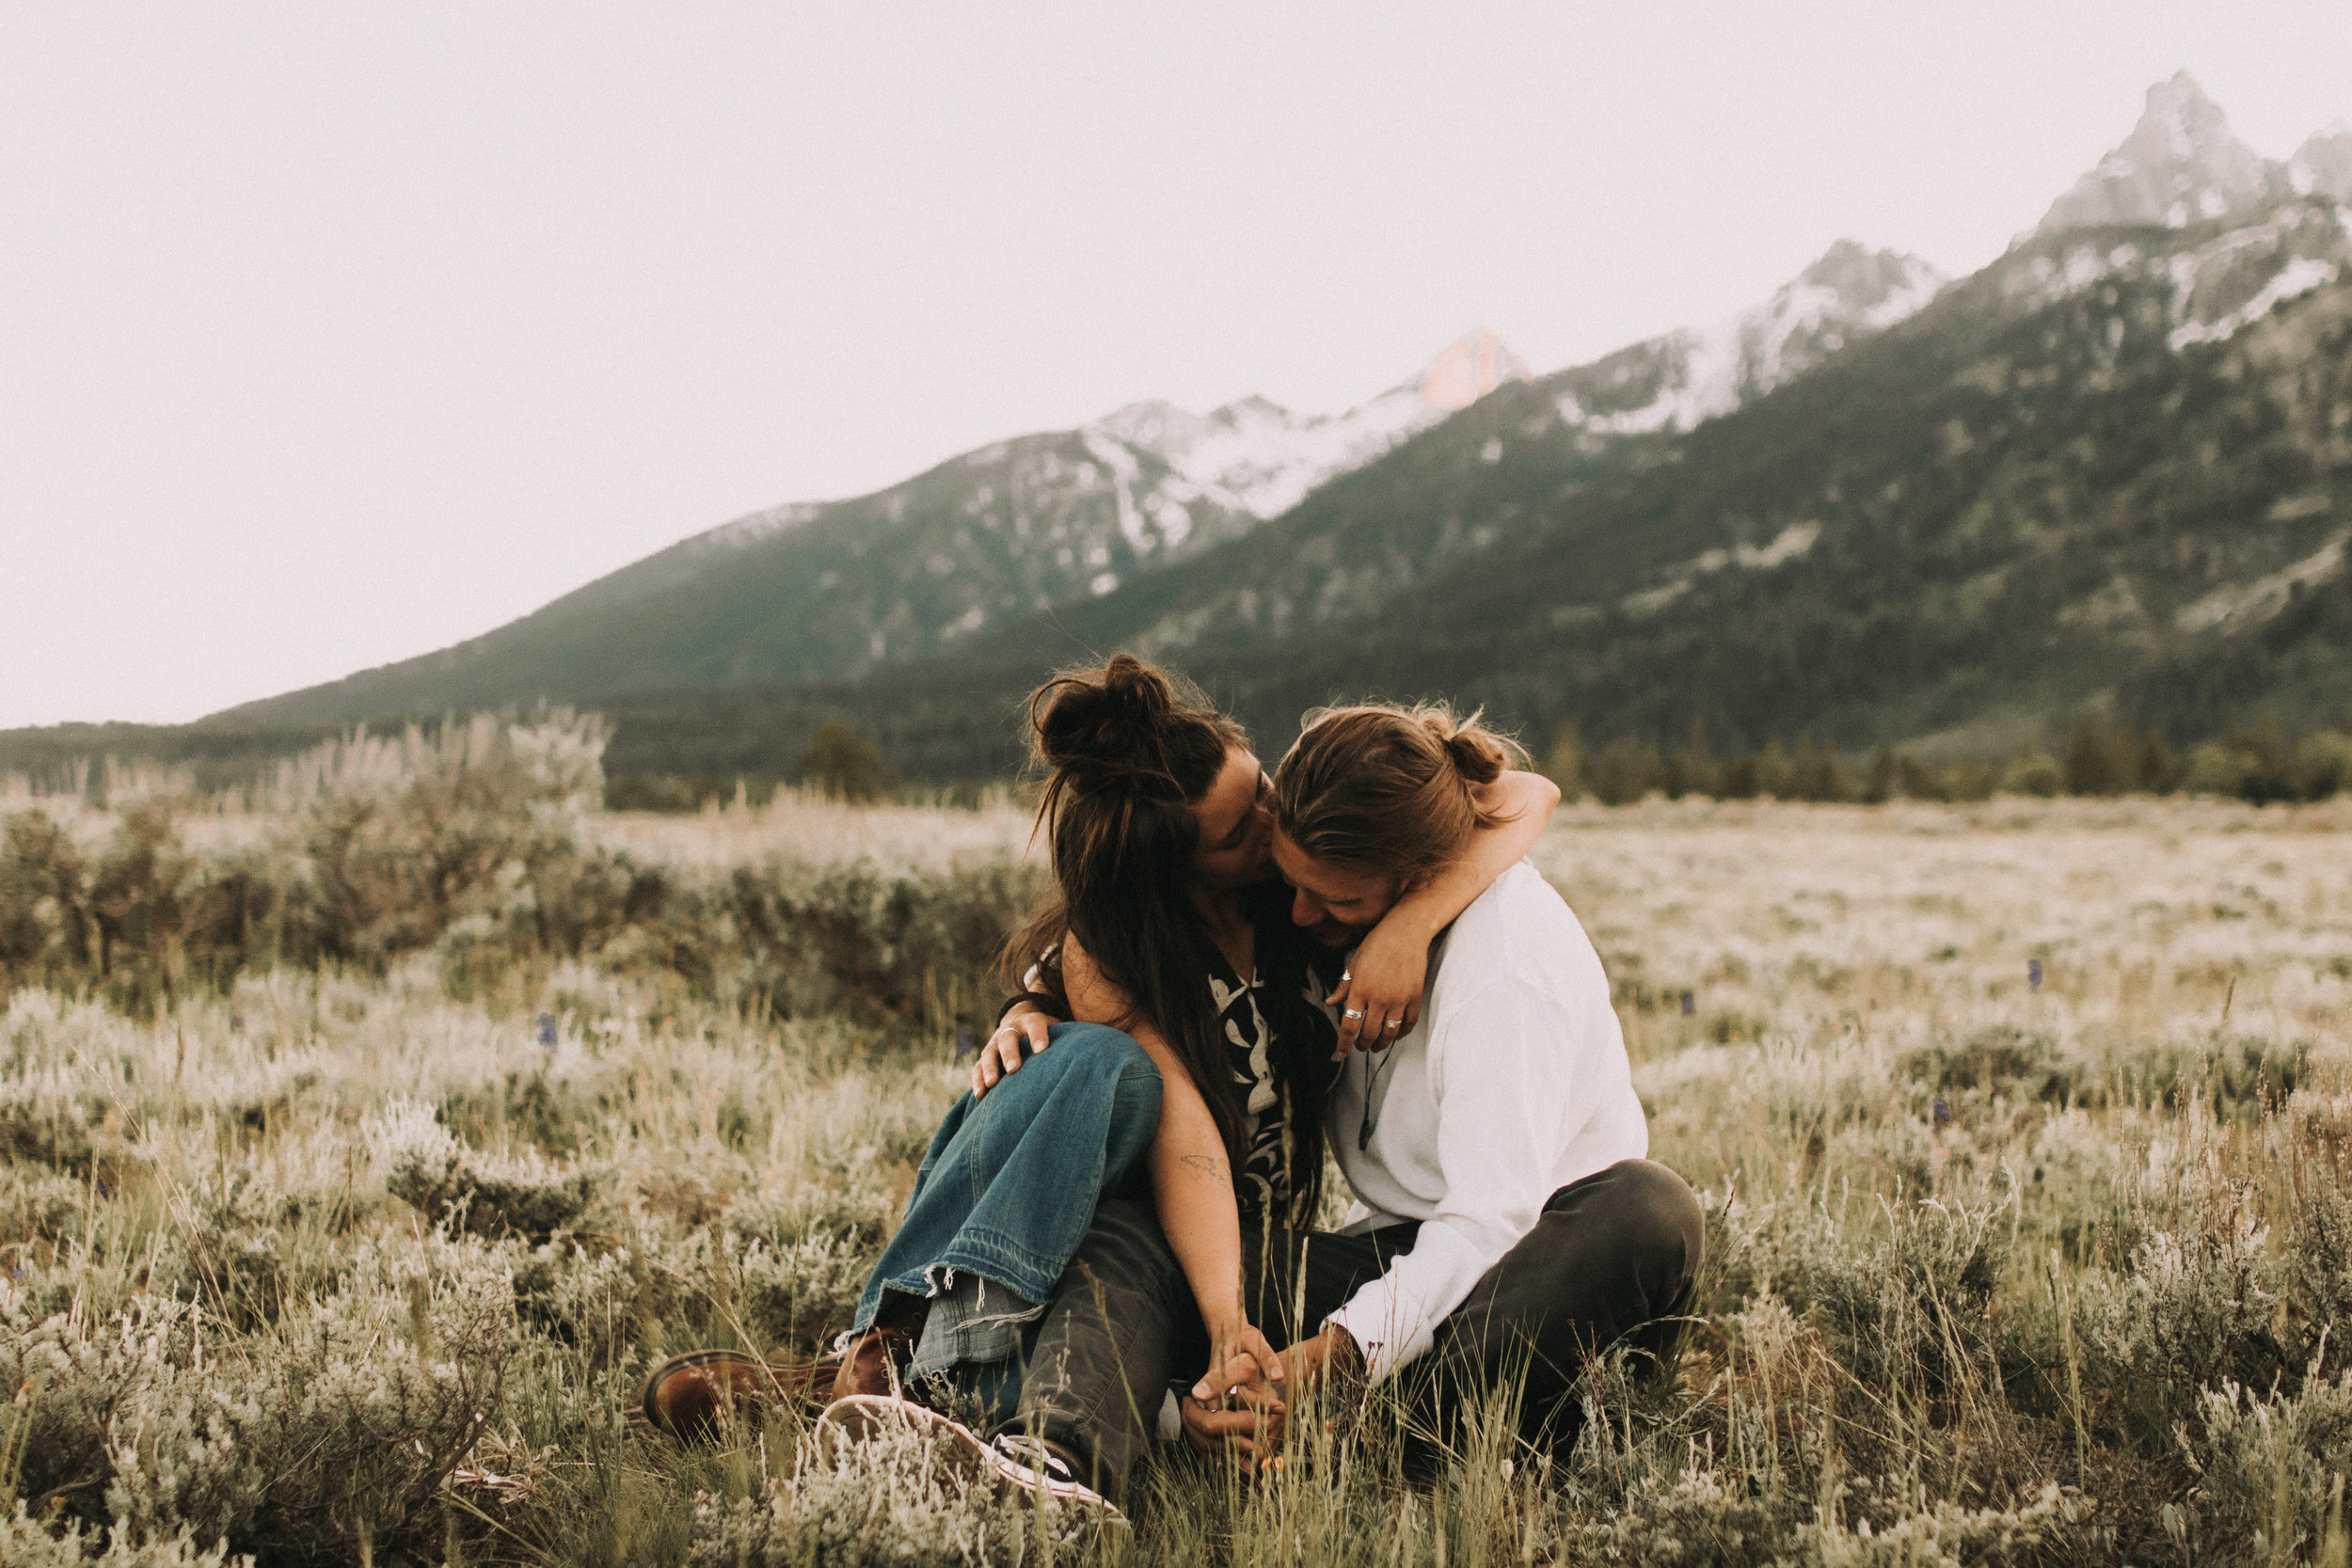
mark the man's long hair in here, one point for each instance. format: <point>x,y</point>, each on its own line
<point>1389,790</point>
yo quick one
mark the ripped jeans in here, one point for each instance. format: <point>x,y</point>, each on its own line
<point>1007,1190</point>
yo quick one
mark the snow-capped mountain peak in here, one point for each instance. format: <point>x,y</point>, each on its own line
<point>1676,381</point>
<point>2180,165</point>
<point>1467,369</point>
<point>1254,455</point>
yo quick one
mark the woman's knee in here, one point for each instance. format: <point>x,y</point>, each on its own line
<point>1096,1049</point>
<point>1081,1059</point>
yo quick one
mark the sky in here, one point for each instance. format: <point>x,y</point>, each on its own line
<point>334,334</point>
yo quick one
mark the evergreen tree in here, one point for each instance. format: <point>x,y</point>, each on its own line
<point>843,763</point>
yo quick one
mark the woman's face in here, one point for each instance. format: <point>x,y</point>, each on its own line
<point>1236,824</point>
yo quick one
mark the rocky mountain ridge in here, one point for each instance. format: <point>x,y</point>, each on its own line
<point>1366,538</point>
<point>2180,165</point>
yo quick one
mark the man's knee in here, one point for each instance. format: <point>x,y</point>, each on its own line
<point>1637,1222</point>
<point>1657,1214</point>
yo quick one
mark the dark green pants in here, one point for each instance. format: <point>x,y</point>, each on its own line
<point>1612,1257</point>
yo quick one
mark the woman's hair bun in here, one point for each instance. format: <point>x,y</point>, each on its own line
<point>1124,721</point>
<point>1140,693</point>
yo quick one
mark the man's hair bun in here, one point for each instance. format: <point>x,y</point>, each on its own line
<point>1476,751</point>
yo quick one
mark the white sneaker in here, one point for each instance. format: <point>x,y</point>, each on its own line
<point>1036,1467</point>
<point>856,1420</point>
<point>1013,1463</point>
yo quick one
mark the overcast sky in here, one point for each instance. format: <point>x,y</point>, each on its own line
<point>331,334</point>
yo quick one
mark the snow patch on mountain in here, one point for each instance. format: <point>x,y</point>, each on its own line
<point>2237,278</point>
<point>1698,373</point>
<point>2245,603</point>
<point>2299,277</point>
<point>1788,544</point>
<point>1256,457</point>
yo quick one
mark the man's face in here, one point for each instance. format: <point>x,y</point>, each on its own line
<point>1338,905</point>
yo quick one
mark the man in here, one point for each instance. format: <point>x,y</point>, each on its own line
<point>1508,1225</point>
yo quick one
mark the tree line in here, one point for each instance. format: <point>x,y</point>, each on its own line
<point>2260,764</point>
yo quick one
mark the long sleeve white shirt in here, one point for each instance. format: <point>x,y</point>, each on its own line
<point>1514,1083</point>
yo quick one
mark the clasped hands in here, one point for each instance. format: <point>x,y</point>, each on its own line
<point>1240,1410</point>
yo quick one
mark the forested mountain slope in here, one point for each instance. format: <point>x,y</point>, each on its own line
<point>841,588</point>
<point>2084,477</point>
<point>2106,473</point>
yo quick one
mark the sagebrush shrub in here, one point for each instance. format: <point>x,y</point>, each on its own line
<point>26,1544</point>
<point>524,1195</point>
<point>332,1435</point>
<point>2274,1467</point>
<point>2198,1303</point>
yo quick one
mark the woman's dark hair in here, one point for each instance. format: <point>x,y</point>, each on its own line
<point>1126,751</point>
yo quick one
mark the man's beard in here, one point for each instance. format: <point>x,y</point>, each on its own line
<point>1336,937</point>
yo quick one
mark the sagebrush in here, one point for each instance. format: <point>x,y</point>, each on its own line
<point>356,1251</point>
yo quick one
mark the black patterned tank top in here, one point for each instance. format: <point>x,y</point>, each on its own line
<point>1262,1183</point>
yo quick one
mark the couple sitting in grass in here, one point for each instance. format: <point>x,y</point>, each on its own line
<point>1230,981</point>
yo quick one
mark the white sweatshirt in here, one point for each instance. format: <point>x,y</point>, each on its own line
<point>1514,1083</point>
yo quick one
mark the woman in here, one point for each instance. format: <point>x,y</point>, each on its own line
<point>1199,1050</point>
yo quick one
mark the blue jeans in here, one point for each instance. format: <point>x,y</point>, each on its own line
<point>1010,1183</point>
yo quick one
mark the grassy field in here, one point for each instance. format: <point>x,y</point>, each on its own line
<point>339,1261</point>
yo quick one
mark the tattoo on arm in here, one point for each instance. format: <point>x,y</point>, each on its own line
<point>1201,1164</point>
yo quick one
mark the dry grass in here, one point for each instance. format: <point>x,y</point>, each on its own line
<point>2003,1272</point>
<point>809,826</point>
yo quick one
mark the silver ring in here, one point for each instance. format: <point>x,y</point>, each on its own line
<point>1354,1013</point>
<point>1391,1026</point>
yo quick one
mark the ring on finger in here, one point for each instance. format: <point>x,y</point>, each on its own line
<point>1391,1026</point>
<point>1353,1014</point>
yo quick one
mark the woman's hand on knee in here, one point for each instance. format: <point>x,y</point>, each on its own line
<point>1001,1052</point>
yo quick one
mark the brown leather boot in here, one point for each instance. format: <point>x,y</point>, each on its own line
<point>693,1395</point>
<point>876,1359</point>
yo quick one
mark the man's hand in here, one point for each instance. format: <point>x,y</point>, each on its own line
<point>1000,1052</point>
<point>1253,1423</point>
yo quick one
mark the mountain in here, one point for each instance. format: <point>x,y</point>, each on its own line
<point>1338,559</point>
<point>1260,458</point>
<point>842,588</point>
<point>1676,381</point>
<point>2109,473</point>
<point>2180,165</point>
<point>2102,474</point>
